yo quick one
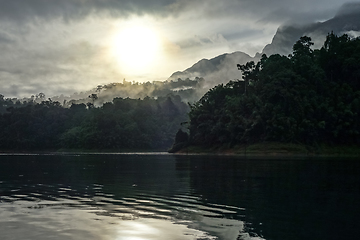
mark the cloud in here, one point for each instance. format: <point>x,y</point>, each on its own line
<point>20,10</point>
<point>197,41</point>
<point>253,10</point>
<point>5,38</point>
<point>60,46</point>
<point>349,8</point>
<point>69,10</point>
<point>36,59</point>
<point>353,34</point>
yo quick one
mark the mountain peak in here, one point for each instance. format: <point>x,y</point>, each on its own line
<point>223,68</point>
<point>206,68</point>
<point>347,19</point>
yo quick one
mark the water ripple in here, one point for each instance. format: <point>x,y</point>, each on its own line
<point>44,204</point>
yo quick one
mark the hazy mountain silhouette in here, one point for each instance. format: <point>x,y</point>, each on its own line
<point>347,20</point>
<point>222,68</point>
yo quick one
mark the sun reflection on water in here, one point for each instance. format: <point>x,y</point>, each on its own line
<point>135,229</point>
<point>113,211</point>
<point>151,229</point>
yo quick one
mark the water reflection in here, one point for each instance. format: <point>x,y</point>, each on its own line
<point>106,197</point>
<point>147,196</point>
<point>284,198</point>
<point>80,218</point>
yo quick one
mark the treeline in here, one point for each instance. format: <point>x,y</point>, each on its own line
<point>190,90</point>
<point>310,97</point>
<point>123,124</point>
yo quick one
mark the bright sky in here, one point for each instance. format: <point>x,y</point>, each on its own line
<point>61,47</point>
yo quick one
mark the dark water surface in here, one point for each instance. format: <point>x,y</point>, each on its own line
<point>160,196</point>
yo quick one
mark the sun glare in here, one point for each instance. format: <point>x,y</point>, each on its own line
<point>136,47</point>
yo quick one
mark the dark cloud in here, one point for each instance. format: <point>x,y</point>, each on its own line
<point>349,8</point>
<point>291,16</point>
<point>23,10</point>
<point>265,11</point>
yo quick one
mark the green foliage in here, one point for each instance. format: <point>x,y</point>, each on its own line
<point>122,124</point>
<point>181,140</point>
<point>310,97</point>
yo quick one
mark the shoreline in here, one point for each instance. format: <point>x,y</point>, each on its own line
<point>274,149</point>
<point>266,149</point>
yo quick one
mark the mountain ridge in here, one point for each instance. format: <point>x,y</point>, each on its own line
<point>346,20</point>
<point>207,66</point>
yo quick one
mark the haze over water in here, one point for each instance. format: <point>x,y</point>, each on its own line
<point>150,196</point>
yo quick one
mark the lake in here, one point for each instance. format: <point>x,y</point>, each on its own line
<point>163,196</point>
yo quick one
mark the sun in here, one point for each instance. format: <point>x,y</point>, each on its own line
<point>136,47</point>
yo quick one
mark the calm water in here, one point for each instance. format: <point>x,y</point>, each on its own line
<point>143,197</point>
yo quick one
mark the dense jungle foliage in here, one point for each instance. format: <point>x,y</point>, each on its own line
<point>129,124</point>
<point>310,97</point>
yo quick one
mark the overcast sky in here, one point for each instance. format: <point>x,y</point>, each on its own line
<point>66,46</point>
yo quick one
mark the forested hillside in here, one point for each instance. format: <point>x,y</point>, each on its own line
<point>123,124</point>
<point>310,97</point>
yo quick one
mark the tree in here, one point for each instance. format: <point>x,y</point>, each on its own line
<point>302,47</point>
<point>309,97</point>
<point>93,97</point>
<point>40,96</point>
